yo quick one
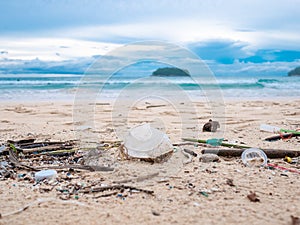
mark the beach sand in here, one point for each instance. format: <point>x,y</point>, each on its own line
<point>192,193</point>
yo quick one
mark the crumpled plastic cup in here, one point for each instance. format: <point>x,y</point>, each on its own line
<point>145,141</point>
<point>254,157</point>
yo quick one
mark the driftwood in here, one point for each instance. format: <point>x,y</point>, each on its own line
<point>115,187</point>
<point>271,153</point>
<point>190,152</point>
<point>77,167</point>
<point>47,148</point>
<point>29,145</point>
<point>14,160</point>
<point>23,141</point>
<point>154,106</point>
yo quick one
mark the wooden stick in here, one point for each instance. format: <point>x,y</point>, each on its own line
<point>13,158</point>
<point>24,141</point>
<point>42,144</point>
<point>107,195</point>
<point>115,187</point>
<point>47,148</point>
<point>154,106</point>
<point>78,167</point>
<point>190,152</point>
<point>271,153</point>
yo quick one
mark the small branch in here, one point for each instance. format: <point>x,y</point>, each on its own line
<point>192,153</point>
<point>154,106</point>
<point>115,187</point>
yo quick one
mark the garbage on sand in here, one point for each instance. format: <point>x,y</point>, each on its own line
<point>274,129</point>
<point>45,174</point>
<point>254,157</point>
<point>147,142</point>
<point>211,126</point>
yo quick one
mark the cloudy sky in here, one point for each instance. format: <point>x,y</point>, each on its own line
<point>244,33</point>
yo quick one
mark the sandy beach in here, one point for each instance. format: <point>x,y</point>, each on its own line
<point>192,193</point>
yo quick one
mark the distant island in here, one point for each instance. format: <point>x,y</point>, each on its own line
<point>294,72</point>
<point>171,71</point>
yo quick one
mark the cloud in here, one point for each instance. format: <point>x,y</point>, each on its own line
<point>36,66</point>
<point>229,51</point>
<point>258,23</point>
<point>51,49</point>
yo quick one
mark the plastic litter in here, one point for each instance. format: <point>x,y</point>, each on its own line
<point>144,141</point>
<point>211,126</point>
<point>215,141</point>
<point>2,148</point>
<point>274,129</point>
<point>254,157</point>
<point>45,174</point>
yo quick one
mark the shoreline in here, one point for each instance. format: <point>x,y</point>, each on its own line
<point>193,194</point>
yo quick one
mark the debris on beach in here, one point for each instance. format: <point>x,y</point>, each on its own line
<point>284,134</point>
<point>215,142</point>
<point>254,157</point>
<point>211,126</point>
<point>275,129</point>
<point>209,158</point>
<point>295,220</point>
<point>235,152</point>
<point>146,142</point>
<point>253,197</point>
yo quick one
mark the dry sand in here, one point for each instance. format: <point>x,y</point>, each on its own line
<point>177,197</point>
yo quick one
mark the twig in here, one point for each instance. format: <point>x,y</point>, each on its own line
<point>14,160</point>
<point>115,187</point>
<point>47,148</point>
<point>106,195</point>
<point>78,167</point>
<point>154,106</point>
<point>190,152</point>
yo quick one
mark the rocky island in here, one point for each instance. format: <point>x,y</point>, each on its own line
<point>170,72</point>
<point>294,72</point>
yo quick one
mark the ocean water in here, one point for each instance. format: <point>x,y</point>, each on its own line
<point>15,87</point>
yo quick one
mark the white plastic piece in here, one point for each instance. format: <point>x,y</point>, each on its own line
<point>144,141</point>
<point>254,157</point>
<point>2,148</point>
<point>45,174</point>
<point>269,128</point>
